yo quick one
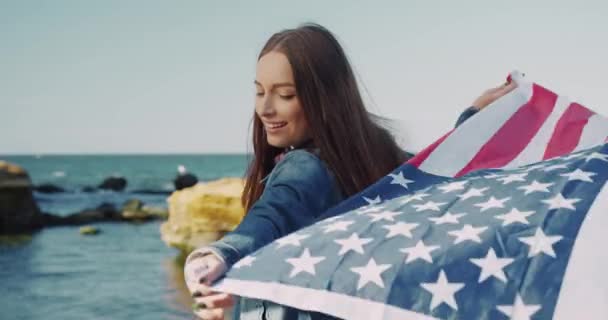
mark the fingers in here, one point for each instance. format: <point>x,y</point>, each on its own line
<point>214,301</point>
<point>213,306</point>
<point>210,314</point>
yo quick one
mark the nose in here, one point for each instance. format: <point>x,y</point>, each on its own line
<point>265,107</point>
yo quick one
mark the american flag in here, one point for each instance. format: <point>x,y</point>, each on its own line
<point>501,218</point>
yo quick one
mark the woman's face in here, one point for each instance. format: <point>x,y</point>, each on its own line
<point>277,103</point>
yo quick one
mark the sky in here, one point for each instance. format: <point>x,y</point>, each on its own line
<point>90,77</point>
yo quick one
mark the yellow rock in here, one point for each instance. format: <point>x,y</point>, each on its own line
<point>203,213</point>
<point>11,168</point>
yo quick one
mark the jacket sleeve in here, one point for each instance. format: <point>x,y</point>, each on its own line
<point>466,114</point>
<point>297,191</point>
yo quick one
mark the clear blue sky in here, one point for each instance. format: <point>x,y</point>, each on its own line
<point>176,76</point>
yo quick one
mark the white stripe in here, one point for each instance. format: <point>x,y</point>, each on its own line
<point>584,292</point>
<point>594,133</point>
<point>336,304</point>
<point>464,143</point>
<point>535,150</point>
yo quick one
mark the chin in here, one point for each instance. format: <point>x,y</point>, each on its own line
<point>277,144</point>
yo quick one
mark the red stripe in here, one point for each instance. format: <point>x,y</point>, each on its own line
<point>515,134</point>
<point>422,155</point>
<point>568,131</point>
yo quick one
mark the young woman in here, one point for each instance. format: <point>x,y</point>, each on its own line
<point>314,145</point>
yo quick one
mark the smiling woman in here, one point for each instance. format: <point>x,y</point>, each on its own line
<point>277,105</point>
<point>314,145</point>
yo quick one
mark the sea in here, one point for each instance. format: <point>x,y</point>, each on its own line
<point>124,272</point>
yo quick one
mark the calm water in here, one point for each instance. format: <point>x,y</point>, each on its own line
<point>126,272</point>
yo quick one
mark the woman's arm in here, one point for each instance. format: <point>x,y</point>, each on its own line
<point>298,190</point>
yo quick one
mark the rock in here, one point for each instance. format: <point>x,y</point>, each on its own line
<point>105,212</point>
<point>185,180</point>
<point>88,189</point>
<point>113,183</point>
<point>49,188</point>
<point>150,191</point>
<point>88,230</point>
<point>203,213</point>
<point>19,212</point>
<point>135,210</point>
<point>132,205</point>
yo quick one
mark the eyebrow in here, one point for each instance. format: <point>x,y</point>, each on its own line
<point>277,85</point>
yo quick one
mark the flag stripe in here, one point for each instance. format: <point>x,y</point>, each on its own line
<point>583,294</point>
<point>422,155</point>
<point>336,304</point>
<point>535,150</point>
<point>513,137</point>
<point>568,131</point>
<point>463,144</point>
<point>596,128</point>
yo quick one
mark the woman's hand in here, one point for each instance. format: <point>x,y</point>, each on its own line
<point>200,273</point>
<point>493,94</point>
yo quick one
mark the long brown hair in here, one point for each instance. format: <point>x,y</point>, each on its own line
<point>351,141</point>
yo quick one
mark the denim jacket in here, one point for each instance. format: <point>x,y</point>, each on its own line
<point>297,191</point>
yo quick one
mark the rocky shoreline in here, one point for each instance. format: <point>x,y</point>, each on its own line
<point>197,213</point>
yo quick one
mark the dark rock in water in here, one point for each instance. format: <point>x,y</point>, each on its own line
<point>114,183</point>
<point>49,188</point>
<point>132,211</point>
<point>185,180</point>
<point>88,189</point>
<point>19,212</point>
<point>147,191</point>
<point>105,212</point>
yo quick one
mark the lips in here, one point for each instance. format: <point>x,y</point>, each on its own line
<point>274,125</point>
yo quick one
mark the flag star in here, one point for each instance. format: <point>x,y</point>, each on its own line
<point>468,232</point>
<point>598,156</point>
<point>513,178</point>
<point>419,251</point>
<point>519,310</point>
<point>400,180</point>
<point>534,167</point>
<point>384,215</point>
<point>443,291</point>
<point>293,239</point>
<point>430,205</point>
<point>369,208</point>
<point>331,219</point>
<point>416,196</point>
<point>515,216</point>
<point>447,218</point>
<point>492,203</point>
<point>338,226</point>
<point>492,266</point>
<point>540,242</point>
<point>353,243</point>
<point>555,167</point>
<point>454,186</point>
<point>370,273</point>
<point>579,174</point>
<point>245,262</point>
<point>536,186</point>
<point>493,175</point>
<point>400,228</point>
<point>473,192</point>
<point>305,263</point>
<point>559,202</point>
<point>373,201</point>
